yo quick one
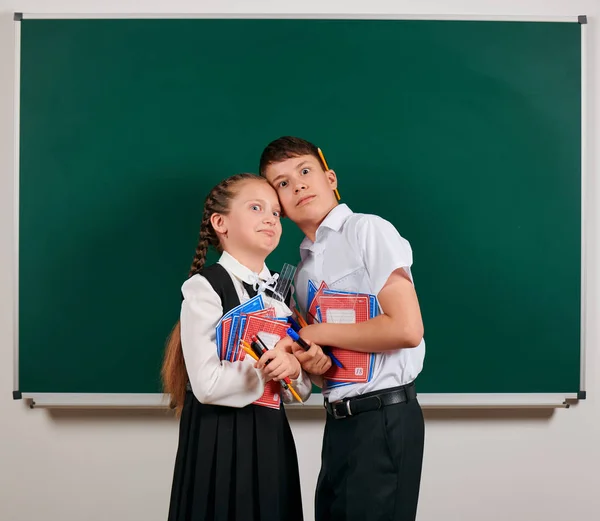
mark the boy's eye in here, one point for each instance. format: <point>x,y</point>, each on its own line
<point>277,214</point>
<point>255,207</point>
<point>304,171</point>
<point>283,184</point>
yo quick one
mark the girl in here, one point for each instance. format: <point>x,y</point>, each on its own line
<point>235,460</point>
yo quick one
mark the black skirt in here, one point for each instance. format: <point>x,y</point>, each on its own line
<point>235,465</point>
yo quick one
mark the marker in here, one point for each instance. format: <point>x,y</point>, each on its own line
<point>296,338</point>
<point>294,324</point>
<point>256,338</point>
<point>250,352</point>
<point>254,348</point>
<point>258,350</point>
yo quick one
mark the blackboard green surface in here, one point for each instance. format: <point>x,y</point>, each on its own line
<point>466,135</point>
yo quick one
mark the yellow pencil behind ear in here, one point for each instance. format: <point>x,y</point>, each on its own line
<point>335,190</point>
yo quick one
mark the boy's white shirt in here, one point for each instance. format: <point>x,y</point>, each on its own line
<point>216,382</point>
<point>358,252</point>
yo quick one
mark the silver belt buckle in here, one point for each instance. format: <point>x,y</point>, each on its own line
<point>335,410</point>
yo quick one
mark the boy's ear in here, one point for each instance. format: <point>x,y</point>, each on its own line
<point>332,178</point>
<point>218,223</point>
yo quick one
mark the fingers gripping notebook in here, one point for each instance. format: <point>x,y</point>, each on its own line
<point>244,321</point>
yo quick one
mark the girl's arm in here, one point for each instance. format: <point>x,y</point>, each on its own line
<point>216,382</point>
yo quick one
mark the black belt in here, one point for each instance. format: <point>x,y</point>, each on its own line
<point>371,401</point>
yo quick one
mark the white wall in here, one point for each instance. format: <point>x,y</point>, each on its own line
<point>72,466</point>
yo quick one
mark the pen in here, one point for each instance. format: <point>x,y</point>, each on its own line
<point>315,319</point>
<point>253,355</point>
<point>257,343</point>
<point>254,348</point>
<point>302,321</point>
<point>256,338</point>
<point>296,327</point>
<point>258,350</point>
<point>296,338</point>
<point>286,383</point>
<point>250,352</point>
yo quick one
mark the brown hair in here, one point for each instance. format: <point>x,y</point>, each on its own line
<point>174,374</point>
<point>287,147</point>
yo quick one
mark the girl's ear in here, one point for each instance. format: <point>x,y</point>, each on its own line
<point>218,223</point>
<point>331,178</point>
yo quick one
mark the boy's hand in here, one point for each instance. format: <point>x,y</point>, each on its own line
<point>285,344</point>
<point>313,361</point>
<point>282,364</point>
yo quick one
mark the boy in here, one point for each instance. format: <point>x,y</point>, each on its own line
<point>373,442</point>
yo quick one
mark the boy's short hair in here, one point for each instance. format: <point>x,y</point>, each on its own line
<point>287,147</point>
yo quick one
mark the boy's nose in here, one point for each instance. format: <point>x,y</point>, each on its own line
<point>300,186</point>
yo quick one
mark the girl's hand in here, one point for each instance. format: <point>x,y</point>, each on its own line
<point>282,365</point>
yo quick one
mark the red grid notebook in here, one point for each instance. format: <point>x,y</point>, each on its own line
<point>312,310</point>
<point>270,332</point>
<point>347,309</point>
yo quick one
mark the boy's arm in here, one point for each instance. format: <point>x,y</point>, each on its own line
<point>387,258</point>
<point>399,326</point>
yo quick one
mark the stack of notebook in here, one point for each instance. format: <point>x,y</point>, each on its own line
<point>242,323</point>
<point>343,307</point>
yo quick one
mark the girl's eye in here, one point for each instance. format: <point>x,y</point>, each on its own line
<point>305,171</point>
<point>277,214</point>
<point>256,207</point>
<point>283,184</point>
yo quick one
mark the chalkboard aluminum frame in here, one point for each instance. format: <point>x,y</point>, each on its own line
<point>434,401</point>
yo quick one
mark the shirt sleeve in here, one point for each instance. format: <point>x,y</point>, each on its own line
<point>383,250</point>
<point>216,382</point>
<point>303,387</point>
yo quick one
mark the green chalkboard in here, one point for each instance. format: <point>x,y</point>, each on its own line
<point>465,135</point>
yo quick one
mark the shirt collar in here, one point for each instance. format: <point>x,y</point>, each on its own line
<point>334,221</point>
<point>243,273</point>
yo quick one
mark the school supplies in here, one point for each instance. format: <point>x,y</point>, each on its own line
<point>296,338</point>
<point>286,383</point>
<point>284,282</point>
<point>295,326</point>
<point>337,194</point>
<point>241,323</point>
<point>301,320</point>
<point>344,307</point>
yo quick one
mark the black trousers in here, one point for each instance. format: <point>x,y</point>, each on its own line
<point>371,465</point>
